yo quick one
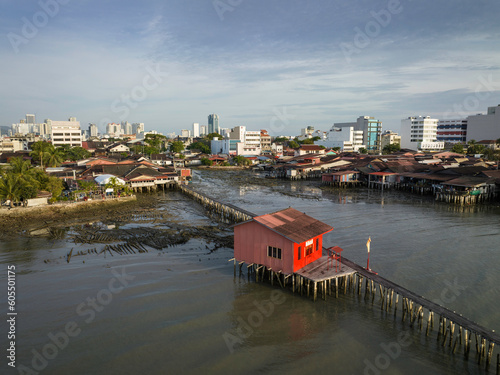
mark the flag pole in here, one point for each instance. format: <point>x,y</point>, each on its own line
<point>368,248</point>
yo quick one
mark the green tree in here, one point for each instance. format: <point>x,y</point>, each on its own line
<point>211,136</point>
<point>458,148</point>
<point>308,141</point>
<point>363,150</point>
<point>293,144</point>
<point>10,188</point>
<point>200,146</point>
<point>114,184</point>
<point>280,139</point>
<point>40,151</point>
<point>390,149</point>
<point>206,161</point>
<point>155,140</point>
<point>241,160</point>
<point>177,146</point>
<point>77,153</point>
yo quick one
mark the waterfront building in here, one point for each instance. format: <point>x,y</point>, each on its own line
<point>284,241</point>
<point>348,139</point>
<point>420,133</point>
<point>371,128</point>
<point>213,124</point>
<point>452,131</point>
<point>66,133</point>
<point>480,126</point>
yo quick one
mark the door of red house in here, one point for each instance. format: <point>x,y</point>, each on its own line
<point>308,251</point>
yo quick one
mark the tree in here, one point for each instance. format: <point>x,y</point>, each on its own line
<point>177,146</point>
<point>207,161</point>
<point>114,184</point>
<point>155,140</point>
<point>363,150</point>
<point>200,146</point>
<point>10,188</point>
<point>211,136</point>
<point>293,144</point>
<point>280,139</point>
<point>458,148</point>
<point>40,151</point>
<point>389,149</point>
<point>308,141</point>
<point>241,160</point>
<point>77,153</point>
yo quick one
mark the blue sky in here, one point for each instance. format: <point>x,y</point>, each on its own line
<point>276,64</point>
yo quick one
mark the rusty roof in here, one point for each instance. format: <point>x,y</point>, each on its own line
<point>293,224</point>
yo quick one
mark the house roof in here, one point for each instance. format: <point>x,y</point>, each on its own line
<point>293,224</point>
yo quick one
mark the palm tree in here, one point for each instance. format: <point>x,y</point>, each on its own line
<point>10,188</point>
<point>114,184</point>
<point>54,157</point>
<point>40,151</point>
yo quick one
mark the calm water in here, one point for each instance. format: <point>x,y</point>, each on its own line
<point>181,311</point>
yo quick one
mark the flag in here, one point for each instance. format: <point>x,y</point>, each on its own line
<point>368,243</point>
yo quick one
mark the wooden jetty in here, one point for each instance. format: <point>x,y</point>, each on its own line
<point>454,330</point>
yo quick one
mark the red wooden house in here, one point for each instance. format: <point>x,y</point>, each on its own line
<point>284,241</point>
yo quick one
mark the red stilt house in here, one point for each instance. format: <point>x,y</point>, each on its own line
<point>285,241</point>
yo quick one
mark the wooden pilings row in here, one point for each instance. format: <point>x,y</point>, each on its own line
<point>449,333</point>
<point>226,212</point>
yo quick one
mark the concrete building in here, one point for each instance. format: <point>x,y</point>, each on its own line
<point>389,138</point>
<point>126,127</point>
<point>371,128</point>
<point>185,133</point>
<point>487,126</point>
<point>93,131</point>
<point>238,132</point>
<point>196,130</point>
<point>137,128</point>
<point>265,140</point>
<point>213,124</point>
<point>420,133</point>
<point>66,133</point>
<point>348,139</point>
<point>30,119</point>
<point>114,130</point>
<point>452,131</point>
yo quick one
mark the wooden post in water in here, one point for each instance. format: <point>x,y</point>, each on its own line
<point>336,287</point>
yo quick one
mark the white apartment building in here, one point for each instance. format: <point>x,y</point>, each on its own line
<point>484,127</point>
<point>196,130</point>
<point>348,139</point>
<point>93,131</point>
<point>66,133</point>
<point>185,133</point>
<point>137,128</point>
<point>420,133</point>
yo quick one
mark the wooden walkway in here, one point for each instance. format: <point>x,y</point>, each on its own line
<point>429,305</point>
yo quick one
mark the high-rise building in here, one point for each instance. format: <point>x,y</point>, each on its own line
<point>371,128</point>
<point>420,133</point>
<point>185,133</point>
<point>93,130</point>
<point>137,128</point>
<point>196,130</point>
<point>203,130</point>
<point>452,131</point>
<point>213,123</point>
<point>484,127</point>
<point>66,133</point>
<point>30,119</point>
<point>114,130</point>
<point>126,127</point>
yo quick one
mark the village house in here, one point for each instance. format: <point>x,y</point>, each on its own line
<point>284,241</point>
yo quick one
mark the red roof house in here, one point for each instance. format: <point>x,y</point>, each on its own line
<point>284,241</point>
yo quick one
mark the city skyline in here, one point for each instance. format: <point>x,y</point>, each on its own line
<point>277,66</point>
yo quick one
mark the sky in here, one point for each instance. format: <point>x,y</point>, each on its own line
<point>279,65</point>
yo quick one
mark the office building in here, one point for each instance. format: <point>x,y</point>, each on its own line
<point>420,133</point>
<point>371,128</point>
<point>484,127</point>
<point>452,131</point>
<point>66,133</point>
<point>213,124</point>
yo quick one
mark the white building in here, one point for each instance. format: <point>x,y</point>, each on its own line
<point>185,133</point>
<point>371,128</point>
<point>137,128</point>
<point>348,139</point>
<point>93,131</point>
<point>420,133</point>
<point>66,133</point>
<point>203,130</point>
<point>114,130</point>
<point>481,127</point>
<point>196,130</point>
<point>126,127</point>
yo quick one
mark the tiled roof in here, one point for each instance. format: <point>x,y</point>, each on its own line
<point>294,224</point>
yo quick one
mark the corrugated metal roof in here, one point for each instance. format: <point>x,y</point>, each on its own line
<point>294,224</point>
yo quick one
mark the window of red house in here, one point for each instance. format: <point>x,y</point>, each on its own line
<point>274,252</point>
<point>317,244</point>
<point>309,249</point>
<point>299,257</point>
